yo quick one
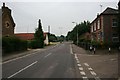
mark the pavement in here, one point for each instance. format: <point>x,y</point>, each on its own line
<point>102,64</point>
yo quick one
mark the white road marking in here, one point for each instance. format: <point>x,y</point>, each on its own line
<point>48,55</point>
<point>23,69</point>
<point>78,61</point>
<point>90,69</point>
<point>81,68</point>
<point>85,78</point>
<point>86,64</point>
<point>82,73</point>
<point>71,49</point>
<point>93,73</point>
<point>79,64</point>
<point>97,78</point>
<point>18,58</point>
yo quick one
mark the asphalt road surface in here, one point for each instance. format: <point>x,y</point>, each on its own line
<point>56,62</point>
<point>59,61</point>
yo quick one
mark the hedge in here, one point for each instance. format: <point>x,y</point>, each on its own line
<point>12,44</point>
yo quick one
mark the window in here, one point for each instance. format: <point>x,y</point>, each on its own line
<point>94,26</point>
<point>98,25</point>
<point>115,39</point>
<point>114,23</point>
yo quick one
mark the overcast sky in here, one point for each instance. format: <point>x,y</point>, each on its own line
<point>59,15</point>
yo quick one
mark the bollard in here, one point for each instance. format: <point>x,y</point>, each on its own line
<point>109,49</point>
<point>90,48</point>
<point>94,50</point>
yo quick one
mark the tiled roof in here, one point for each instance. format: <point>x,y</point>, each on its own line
<point>25,36</point>
<point>110,11</point>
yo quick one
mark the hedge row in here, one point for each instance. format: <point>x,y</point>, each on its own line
<point>34,44</point>
<point>11,44</point>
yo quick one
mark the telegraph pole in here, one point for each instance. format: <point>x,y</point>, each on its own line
<point>49,34</point>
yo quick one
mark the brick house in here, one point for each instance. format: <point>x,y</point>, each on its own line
<point>8,24</point>
<point>104,28</point>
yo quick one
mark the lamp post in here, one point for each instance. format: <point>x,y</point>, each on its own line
<point>77,32</point>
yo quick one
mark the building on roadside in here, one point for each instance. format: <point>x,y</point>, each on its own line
<point>30,36</point>
<point>8,24</point>
<point>104,28</point>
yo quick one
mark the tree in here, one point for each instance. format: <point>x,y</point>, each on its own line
<point>39,36</point>
<point>52,38</point>
<point>82,28</point>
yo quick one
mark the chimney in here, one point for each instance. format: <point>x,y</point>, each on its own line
<point>97,14</point>
<point>3,4</point>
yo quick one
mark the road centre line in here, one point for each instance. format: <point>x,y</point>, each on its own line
<point>23,69</point>
<point>48,55</point>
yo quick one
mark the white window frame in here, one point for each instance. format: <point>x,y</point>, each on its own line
<point>95,26</point>
<point>114,22</point>
<point>116,38</point>
<point>98,24</point>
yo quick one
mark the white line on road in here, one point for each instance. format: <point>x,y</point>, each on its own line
<point>79,64</point>
<point>81,68</point>
<point>97,78</point>
<point>78,61</point>
<point>18,58</point>
<point>23,69</point>
<point>90,69</point>
<point>86,64</point>
<point>93,73</point>
<point>71,49</point>
<point>82,73</point>
<point>85,78</point>
<point>48,55</point>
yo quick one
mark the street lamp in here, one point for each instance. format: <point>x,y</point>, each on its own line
<point>77,32</point>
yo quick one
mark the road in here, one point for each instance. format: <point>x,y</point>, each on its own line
<point>61,61</point>
<point>56,62</point>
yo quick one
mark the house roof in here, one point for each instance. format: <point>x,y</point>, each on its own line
<point>25,36</point>
<point>110,11</point>
<point>107,11</point>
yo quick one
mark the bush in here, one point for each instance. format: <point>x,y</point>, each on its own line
<point>11,44</point>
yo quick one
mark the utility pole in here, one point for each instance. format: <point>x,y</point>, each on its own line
<point>49,34</point>
<point>77,32</point>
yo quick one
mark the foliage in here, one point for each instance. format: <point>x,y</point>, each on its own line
<point>11,44</point>
<point>82,28</point>
<point>52,38</point>
<point>61,38</point>
<point>39,36</point>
